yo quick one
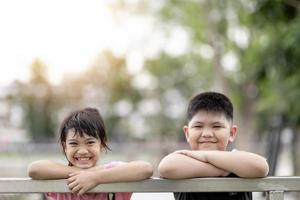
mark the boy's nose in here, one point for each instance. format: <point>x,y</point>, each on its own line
<point>207,133</point>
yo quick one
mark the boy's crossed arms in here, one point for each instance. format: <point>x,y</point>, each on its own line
<point>199,163</point>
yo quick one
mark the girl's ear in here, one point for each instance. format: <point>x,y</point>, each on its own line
<point>101,148</point>
<point>186,133</point>
<point>233,133</point>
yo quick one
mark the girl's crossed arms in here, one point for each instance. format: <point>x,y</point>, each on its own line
<point>83,138</point>
<point>82,180</point>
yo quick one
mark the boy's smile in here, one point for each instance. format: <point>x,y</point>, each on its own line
<point>209,131</point>
<point>82,152</point>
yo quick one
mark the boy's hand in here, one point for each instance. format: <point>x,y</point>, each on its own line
<point>81,182</point>
<point>197,155</point>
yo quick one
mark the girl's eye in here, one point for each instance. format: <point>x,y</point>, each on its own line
<point>72,143</point>
<point>91,142</point>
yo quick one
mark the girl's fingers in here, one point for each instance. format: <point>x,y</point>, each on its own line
<point>72,185</point>
<point>76,188</point>
<point>71,179</point>
<point>73,174</point>
<point>81,192</point>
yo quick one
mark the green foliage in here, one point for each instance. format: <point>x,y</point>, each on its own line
<point>39,104</point>
<point>278,63</point>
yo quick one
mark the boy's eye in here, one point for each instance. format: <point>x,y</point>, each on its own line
<point>197,126</point>
<point>217,126</point>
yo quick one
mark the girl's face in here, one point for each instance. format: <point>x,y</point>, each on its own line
<point>209,131</point>
<point>82,152</point>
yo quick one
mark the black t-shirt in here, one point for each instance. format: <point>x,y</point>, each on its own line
<point>213,195</point>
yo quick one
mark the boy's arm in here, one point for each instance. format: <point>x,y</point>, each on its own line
<point>179,166</point>
<point>46,169</point>
<point>242,163</point>
<point>82,181</point>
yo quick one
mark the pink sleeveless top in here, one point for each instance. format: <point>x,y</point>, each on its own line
<point>92,196</point>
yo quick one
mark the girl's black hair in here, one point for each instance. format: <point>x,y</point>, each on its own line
<point>86,121</point>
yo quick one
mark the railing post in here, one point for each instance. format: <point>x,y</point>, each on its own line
<point>275,195</point>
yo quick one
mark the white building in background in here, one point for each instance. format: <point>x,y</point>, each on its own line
<point>11,114</point>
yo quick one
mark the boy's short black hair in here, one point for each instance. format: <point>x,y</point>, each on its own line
<point>210,102</point>
<point>88,121</point>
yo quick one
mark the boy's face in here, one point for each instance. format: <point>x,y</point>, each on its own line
<point>209,131</point>
<point>82,152</point>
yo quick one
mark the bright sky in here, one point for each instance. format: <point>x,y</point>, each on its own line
<point>68,35</point>
<point>65,34</point>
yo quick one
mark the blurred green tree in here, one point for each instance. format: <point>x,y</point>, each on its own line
<point>211,62</point>
<point>264,37</point>
<point>39,104</point>
<point>278,73</point>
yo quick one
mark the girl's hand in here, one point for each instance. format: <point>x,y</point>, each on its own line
<point>81,182</point>
<point>197,155</point>
<point>95,168</point>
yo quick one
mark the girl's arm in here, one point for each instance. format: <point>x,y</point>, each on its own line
<point>46,169</point>
<point>82,181</point>
<point>242,163</point>
<point>179,166</point>
<point>126,172</point>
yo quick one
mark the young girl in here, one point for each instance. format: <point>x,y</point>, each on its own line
<point>83,138</point>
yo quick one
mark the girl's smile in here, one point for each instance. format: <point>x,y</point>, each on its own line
<point>83,152</point>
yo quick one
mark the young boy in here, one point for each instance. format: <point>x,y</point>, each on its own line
<point>209,131</point>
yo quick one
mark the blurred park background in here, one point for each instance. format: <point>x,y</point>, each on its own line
<point>139,62</point>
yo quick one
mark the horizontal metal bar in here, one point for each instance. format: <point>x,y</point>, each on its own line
<point>27,185</point>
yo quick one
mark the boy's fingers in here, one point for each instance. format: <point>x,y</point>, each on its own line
<point>186,153</point>
<point>181,151</point>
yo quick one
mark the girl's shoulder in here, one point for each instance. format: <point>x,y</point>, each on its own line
<point>114,164</point>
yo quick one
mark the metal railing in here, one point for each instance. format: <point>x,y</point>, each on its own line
<point>274,186</point>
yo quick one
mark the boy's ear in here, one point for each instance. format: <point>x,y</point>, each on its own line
<point>186,133</point>
<point>233,133</point>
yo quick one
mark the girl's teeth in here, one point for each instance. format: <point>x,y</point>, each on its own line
<point>83,159</point>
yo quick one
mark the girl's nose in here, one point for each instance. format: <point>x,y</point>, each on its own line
<point>82,150</point>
